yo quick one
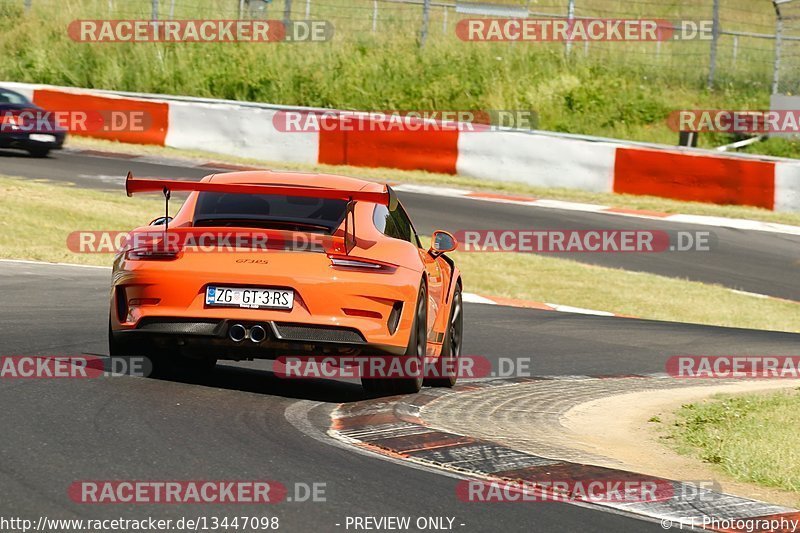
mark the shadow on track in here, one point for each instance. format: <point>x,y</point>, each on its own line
<point>261,381</point>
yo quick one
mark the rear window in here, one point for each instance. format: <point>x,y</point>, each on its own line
<point>295,213</point>
<point>10,97</point>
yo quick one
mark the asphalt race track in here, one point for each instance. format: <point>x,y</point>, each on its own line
<point>242,421</point>
<point>232,425</point>
<point>753,261</point>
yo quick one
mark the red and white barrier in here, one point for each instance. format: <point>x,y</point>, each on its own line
<point>541,159</point>
<point>537,159</point>
<point>236,130</point>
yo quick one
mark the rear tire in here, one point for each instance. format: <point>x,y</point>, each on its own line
<point>119,349</point>
<point>39,152</point>
<point>116,346</point>
<point>447,363</point>
<point>417,346</point>
<point>161,364</point>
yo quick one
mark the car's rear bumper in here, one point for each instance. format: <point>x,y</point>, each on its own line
<point>23,141</point>
<point>377,306</point>
<point>211,337</point>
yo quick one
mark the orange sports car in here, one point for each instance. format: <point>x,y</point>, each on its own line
<point>264,264</point>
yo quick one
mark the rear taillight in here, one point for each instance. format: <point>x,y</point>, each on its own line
<point>359,263</point>
<point>149,254</point>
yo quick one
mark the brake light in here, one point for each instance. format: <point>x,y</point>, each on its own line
<point>150,254</point>
<point>359,263</point>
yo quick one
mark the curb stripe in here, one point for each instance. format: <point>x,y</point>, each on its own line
<point>492,461</point>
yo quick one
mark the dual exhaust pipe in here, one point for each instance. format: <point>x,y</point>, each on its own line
<point>238,333</point>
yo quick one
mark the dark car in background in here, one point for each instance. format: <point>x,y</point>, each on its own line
<point>26,126</point>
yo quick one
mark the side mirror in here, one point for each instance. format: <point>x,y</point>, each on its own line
<point>160,221</point>
<point>442,242</point>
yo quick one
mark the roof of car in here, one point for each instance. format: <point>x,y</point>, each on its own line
<point>270,177</point>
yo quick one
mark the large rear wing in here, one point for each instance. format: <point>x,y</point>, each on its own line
<point>139,185</point>
<point>386,197</point>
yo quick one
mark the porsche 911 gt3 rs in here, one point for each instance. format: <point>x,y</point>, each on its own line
<point>349,275</point>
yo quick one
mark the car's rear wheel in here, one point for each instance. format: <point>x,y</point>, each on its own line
<point>161,364</point>
<point>417,346</point>
<point>120,349</point>
<point>116,346</point>
<point>39,152</point>
<point>446,366</point>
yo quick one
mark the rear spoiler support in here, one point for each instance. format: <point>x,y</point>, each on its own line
<point>350,219</point>
<point>167,195</point>
<point>349,227</point>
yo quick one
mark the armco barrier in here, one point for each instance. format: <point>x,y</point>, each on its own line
<point>538,158</point>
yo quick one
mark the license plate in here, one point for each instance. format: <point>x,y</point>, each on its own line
<point>250,298</point>
<point>42,138</point>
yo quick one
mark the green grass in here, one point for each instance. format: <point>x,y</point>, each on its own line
<point>552,280</point>
<point>38,217</point>
<point>751,437</point>
<point>623,90</point>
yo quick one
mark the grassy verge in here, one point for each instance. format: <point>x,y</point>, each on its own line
<point>36,219</point>
<point>751,437</point>
<point>622,90</point>
<point>647,203</point>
